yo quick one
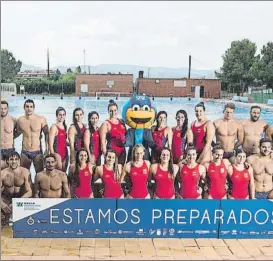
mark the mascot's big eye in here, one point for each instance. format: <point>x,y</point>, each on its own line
<point>136,107</point>
<point>146,108</point>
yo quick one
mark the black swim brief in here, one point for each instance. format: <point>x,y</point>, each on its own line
<point>31,154</point>
<point>228,155</point>
<point>6,152</point>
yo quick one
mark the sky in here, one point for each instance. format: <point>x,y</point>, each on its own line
<point>137,33</point>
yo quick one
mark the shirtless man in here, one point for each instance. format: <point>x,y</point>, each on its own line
<point>15,183</point>
<point>262,165</point>
<point>51,183</point>
<point>227,130</point>
<point>7,129</point>
<point>253,131</point>
<point>31,125</point>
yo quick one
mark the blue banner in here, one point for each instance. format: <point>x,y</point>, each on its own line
<point>124,218</point>
<point>246,219</point>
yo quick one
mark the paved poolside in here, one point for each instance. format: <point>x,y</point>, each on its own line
<point>133,249</point>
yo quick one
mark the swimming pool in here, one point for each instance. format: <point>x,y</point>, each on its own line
<point>48,106</point>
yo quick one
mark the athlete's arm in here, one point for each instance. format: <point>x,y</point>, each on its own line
<point>71,138</point>
<point>269,132</point>
<point>103,132</point>
<point>210,132</point>
<point>169,137</point>
<point>189,136</point>
<point>37,187</point>
<point>17,130</point>
<point>51,137</point>
<point>86,141</point>
<point>240,136</point>
<point>251,184</point>
<point>45,131</point>
<point>66,190</point>
<point>125,171</point>
<point>27,181</point>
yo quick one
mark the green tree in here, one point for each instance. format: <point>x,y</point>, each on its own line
<point>237,69</point>
<point>58,72</point>
<point>9,66</point>
<point>264,67</point>
<point>69,70</point>
<point>78,70</point>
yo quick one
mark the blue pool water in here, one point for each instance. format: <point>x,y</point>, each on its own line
<point>48,106</point>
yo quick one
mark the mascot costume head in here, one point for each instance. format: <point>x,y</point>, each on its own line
<point>139,114</point>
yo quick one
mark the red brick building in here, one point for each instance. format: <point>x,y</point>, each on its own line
<point>90,84</point>
<point>180,87</point>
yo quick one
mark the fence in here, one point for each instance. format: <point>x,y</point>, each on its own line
<point>261,97</point>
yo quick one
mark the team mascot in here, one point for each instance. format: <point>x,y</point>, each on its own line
<point>139,114</point>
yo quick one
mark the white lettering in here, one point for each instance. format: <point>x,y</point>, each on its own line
<point>194,216</point>
<point>51,216</point>
<point>68,216</point>
<point>256,214</point>
<point>231,216</point>
<point>169,217</point>
<point>181,217</point>
<point>216,216</point>
<point>158,211</point>
<point>89,215</point>
<point>116,213</point>
<point>79,215</point>
<point>135,216</point>
<point>241,216</point>
<point>108,213</point>
<point>205,216</point>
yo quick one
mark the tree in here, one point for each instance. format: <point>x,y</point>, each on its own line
<point>9,66</point>
<point>69,70</point>
<point>237,65</point>
<point>264,67</point>
<point>78,70</point>
<point>58,72</point>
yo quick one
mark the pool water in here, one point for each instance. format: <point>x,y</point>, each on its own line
<point>48,106</point>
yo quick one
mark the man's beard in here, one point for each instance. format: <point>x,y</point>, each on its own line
<point>254,119</point>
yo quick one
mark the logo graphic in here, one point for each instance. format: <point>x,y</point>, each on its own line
<point>171,231</point>
<point>19,204</point>
<point>158,232</point>
<point>152,231</point>
<point>30,221</point>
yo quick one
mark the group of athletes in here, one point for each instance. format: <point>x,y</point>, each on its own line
<point>227,158</point>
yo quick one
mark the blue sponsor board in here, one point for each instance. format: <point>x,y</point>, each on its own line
<point>98,218</point>
<point>246,219</point>
<point>114,218</point>
<point>170,218</point>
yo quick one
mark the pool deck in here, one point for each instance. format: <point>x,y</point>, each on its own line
<point>133,249</point>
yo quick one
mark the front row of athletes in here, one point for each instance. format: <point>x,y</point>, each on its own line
<point>138,179</point>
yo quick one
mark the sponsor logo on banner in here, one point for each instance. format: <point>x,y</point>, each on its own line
<point>171,231</point>
<point>140,232</point>
<point>109,231</point>
<point>202,232</point>
<point>152,231</point>
<point>69,231</point>
<point>30,221</point>
<point>184,232</point>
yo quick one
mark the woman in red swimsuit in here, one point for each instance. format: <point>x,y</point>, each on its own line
<point>164,173</point>
<point>81,176</point>
<point>92,139</point>
<point>110,174</point>
<point>182,136</point>
<point>75,133</point>
<point>190,175</point>
<point>216,179</point>
<point>137,172</point>
<point>162,136</point>
<point>58,140</point>
<point>241,178</point>
<point>112,134</point>
<point>203,133</point>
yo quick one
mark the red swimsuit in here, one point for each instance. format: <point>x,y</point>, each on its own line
<point>159,140</point>
<point>84,189</point>
<point>240,181</point>
<point>189,178</point>
<point>95,144</point>
<point>217,178</point>
<point>164,183</point>
<point>112,188</point>
<point>199,136</point>
<point>139,179</point>
<point>115,137</point>
<point>178,144</point>
<point>60,143</point>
